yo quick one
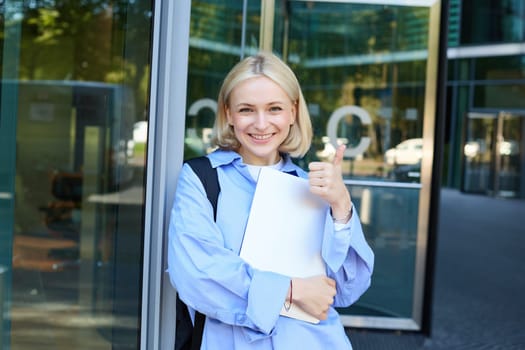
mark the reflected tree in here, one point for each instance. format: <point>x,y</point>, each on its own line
<point>87,40</point>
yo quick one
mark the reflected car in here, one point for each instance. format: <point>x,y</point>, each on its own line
<point>406,173</point>
<point>406,153</point>
<point>328,152</point>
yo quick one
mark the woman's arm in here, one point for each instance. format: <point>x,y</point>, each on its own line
<point>349,259</point>
<point>211,278</point>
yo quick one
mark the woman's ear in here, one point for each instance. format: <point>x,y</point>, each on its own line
<point>228,115</point>
<point>294,112</point>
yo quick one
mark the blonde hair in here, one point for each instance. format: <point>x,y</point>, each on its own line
<point>268,65</point>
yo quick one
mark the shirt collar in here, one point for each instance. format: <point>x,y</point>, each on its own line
<point>222,157</point>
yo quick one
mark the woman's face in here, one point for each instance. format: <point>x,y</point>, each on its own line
<point>261,114</point>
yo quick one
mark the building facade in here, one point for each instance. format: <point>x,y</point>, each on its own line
<point>101,101</point>
<point>485,89</point>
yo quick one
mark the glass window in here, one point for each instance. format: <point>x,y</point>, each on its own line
<point>454,22</point>
<point>498,68</point>
<point>484,21</point>
<point>75,85</point>
<point>382,73</point>
<point>363,67</point>
<point>477,152</point>
<point>459,69</point>
<point>387,215</point>
<point>458,103</point>
<point>501,96</point>
<point>219,37</point>
<point>367,56</point>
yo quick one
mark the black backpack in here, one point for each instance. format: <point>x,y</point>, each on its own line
<point>187,336</point>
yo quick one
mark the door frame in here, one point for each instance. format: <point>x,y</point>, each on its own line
<point>168,98</point>
<point>167,108</point>
<point>8,126</point>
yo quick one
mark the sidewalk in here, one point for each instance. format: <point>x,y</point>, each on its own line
<point>479,288</point>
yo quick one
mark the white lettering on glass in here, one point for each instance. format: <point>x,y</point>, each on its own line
<point>333,121</point>
<point>201,104</point>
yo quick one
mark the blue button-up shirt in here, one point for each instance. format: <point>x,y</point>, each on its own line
<point>242,304</point>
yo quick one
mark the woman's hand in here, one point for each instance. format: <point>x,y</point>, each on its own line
<point>314,295</point>
<point>326,181</point>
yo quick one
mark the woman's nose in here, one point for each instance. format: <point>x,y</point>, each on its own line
<point>261,120</point>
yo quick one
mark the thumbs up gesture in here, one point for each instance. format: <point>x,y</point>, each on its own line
<point>326,181</point>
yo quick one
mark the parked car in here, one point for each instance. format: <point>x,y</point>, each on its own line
<point>407,152</point>
<point>406,173</point>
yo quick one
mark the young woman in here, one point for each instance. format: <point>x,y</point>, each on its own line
<point>263,121</point>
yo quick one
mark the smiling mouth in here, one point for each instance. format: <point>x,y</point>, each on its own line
<point>261,137</point>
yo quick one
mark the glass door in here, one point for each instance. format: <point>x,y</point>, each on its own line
<point>493,154</point>
<point>7,195</point>
<point>368,72</point>
<point>8,102</point>
<point>509,156</point>
<point>478,153</point>
<point>74,102</point>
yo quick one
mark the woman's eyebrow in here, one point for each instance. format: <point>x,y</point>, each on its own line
<point>243,104</point>
<point>247,104</point>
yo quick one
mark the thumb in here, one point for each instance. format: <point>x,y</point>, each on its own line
<point>339,153</point>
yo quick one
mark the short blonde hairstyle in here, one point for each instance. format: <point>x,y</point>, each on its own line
<point>266,64</point>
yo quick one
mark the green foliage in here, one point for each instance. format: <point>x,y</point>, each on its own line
<point>86,40</point>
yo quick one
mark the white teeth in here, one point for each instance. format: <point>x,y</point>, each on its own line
<point>261,137</point>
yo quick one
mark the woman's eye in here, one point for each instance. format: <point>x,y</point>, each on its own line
<point>275,109</point>
<point>245,110</point>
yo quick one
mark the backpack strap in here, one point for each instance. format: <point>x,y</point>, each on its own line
<point>208,176</point>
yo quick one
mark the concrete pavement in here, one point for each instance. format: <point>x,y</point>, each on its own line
<point>479,288</point>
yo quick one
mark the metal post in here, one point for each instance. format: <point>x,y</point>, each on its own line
<point>243,28</point>
<point>267,19</point>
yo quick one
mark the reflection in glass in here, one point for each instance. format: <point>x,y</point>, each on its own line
<point>371,57</point>
<point>478,154</point>
<point>509,155</point>
<point>77,243</point>
<point>388,218</point>
<point>492,22</point>
<point>364,66</point>
<point>216,44</point>
<point>492,154</point>
<point>498,68</point>
<point>509,95</point>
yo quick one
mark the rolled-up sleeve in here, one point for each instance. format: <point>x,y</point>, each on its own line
<point>349,259</point>
<point>211,278</point>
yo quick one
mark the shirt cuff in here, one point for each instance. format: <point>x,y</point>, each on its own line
<point>265,300</point>
<point>340,227</point>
